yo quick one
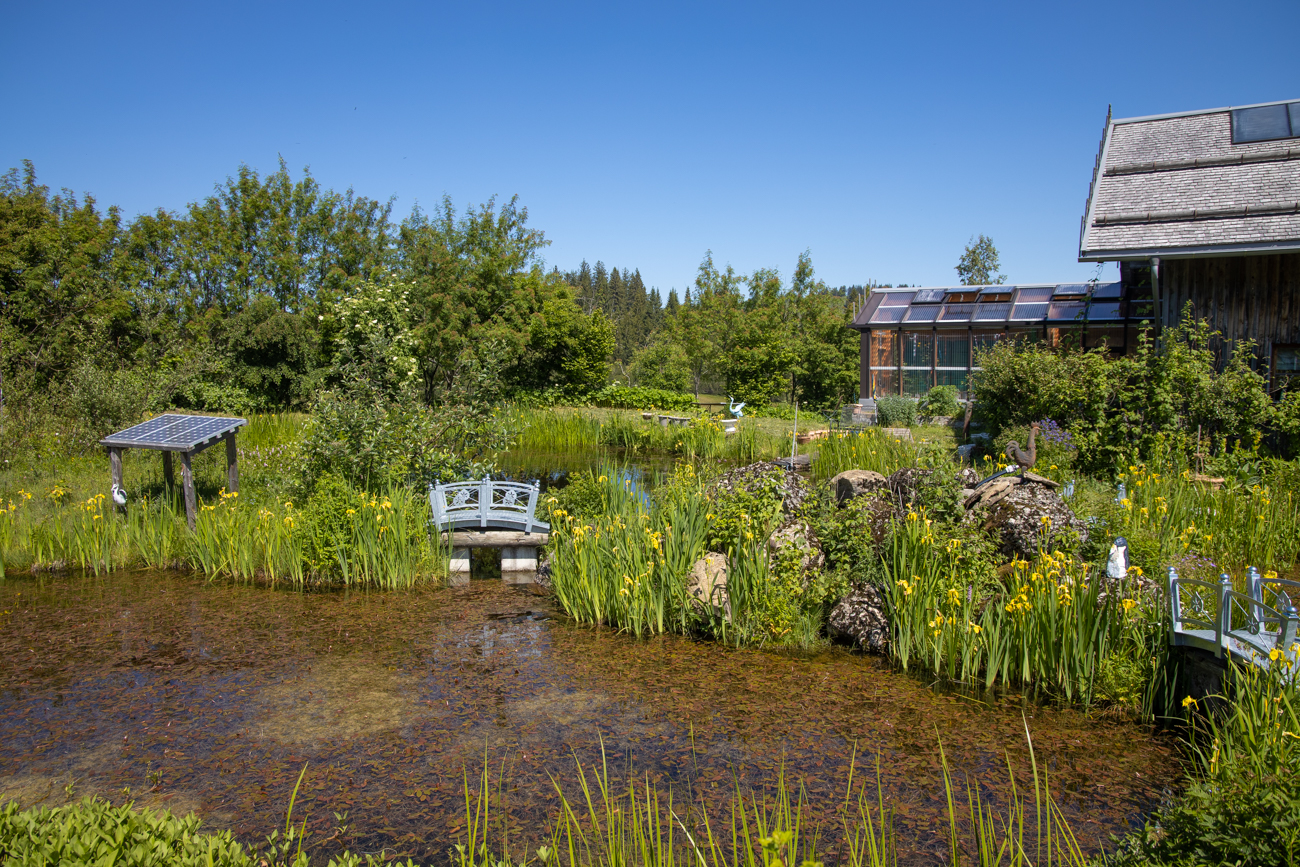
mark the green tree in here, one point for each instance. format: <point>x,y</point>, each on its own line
<point>978,265</point>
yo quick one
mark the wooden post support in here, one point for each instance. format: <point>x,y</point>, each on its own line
<point>168,476</point>
<point>232,464</point>
<point>187,481</point>
<point>115,464</point>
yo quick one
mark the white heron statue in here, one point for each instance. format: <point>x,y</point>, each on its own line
<point>735,407</point>
<point>119,495</point>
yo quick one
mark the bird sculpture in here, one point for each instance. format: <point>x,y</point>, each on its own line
<point>119,495</point>
<point>1028,457</point>
<point>1117,561</point>
<point>735,407</point>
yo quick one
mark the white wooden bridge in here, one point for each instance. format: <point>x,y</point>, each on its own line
<point>1246,626</point>
<point>490,514</point>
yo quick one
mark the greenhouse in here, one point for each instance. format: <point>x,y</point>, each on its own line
<point>914,339</point>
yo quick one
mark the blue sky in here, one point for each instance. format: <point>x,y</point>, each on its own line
<point>880,137</point>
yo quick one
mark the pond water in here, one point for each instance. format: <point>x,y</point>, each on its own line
<point>212,697</point>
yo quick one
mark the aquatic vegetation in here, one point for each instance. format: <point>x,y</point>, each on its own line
<point>870,449</point>
<point>1046,625</point>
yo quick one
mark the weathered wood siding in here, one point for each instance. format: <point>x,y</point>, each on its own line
<point>1243,297</point>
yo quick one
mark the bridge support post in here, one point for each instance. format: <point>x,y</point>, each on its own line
<point>458,567</point>
<point>1286,633</point>
<point>519,565</point>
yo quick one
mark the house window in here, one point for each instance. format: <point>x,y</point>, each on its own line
<point>1266,123</point>
<point>1286,366</point>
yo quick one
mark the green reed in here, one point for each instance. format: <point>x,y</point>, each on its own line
<point>272,429</point>
<point>870,449</point>
<point>703,438</point>
<point>627,568</point>
<point>639,824</point>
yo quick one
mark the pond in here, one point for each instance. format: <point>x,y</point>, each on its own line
<point>212,697</point>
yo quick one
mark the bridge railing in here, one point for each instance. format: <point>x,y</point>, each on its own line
<point>486,504</point>
<point>1261,619</point>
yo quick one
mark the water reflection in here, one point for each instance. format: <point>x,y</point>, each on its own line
<point>212,697</point>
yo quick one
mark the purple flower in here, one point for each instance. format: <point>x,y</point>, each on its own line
<point>1051,432</point>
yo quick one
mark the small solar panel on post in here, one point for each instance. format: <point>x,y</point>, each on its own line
<point>186,434</point>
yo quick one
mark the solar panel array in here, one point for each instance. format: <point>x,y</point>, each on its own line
<point>173,432</point>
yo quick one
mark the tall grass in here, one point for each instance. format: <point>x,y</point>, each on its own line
<point>639,824</point>
<point>703,438</point>
<point>871,449</point>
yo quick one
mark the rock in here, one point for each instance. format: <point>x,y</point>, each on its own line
<point>790,486</point>
<point>899,433</point>
<point>860,618</point>
<point>707,583</point>
<point>800,536</point>
<point>544,571</point>
<point>856,483</point>
<point>968,478</point>
<point>906,484</point>
<point>1014,513</point>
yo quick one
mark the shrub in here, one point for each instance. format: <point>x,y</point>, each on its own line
<point>640,397</point>
<point>941,401</point>
<point>896,411</point>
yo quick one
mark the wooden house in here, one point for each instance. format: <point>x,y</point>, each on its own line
<point>1201,207</point>
<point>1205,206</point>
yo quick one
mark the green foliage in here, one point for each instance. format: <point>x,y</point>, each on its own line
<point>372,338</point>
<point>979,264</point>
<point>643,398</point>
<point>662,365</point>
<point>94,832</point>
<point>870,449</point>
<point>1123,411</point>
<point>896,411</point>
<point>744,511</point>
<point>940,401</point>
<point>583,495</point>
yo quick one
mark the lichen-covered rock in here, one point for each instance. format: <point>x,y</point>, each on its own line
<point>851,484</point>
<point>860,618</point>
<point>1014,513</point>
<point>798,535</point>
<point>707,583</point>
<point>790,486</point>
<point>544,571</point>
<point>906,484</point>
<point>967,477</point>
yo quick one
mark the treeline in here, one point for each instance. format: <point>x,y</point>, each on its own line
<point>753,336</point>
<point>236,303</point>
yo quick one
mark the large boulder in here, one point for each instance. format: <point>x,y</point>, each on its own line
<point>1014,509</point>
<point>851,484</point>
<point>860,618</point>
<point>799,536</point>
<point>790,486</point>
<point>707,583</point>
<point>906,484</point>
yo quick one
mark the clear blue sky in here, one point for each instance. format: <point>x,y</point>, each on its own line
<point>880,137</point>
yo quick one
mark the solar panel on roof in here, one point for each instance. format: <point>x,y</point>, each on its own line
<point>1036,293</point>
<point>1104,310</point>
<point>957,312</point>
<point>896,299</point>
<point>1065,310</point>
<point>991,312</point>
<point>923,314</point>
<point>888,314</point>
<point>1107,291</point>
<point>1072,289</point>
<point>928,296</point>
<point>172,431</point>
<point>1029,311</point>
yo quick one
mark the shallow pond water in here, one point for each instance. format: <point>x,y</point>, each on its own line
<point>212,697</point>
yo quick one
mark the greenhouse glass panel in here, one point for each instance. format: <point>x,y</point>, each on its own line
<point>926,313</point>
<point>918,349</point>
<point>1104,310</point>
<point>991,312</point>
<point>983,340</point>
<point>1032,312</point>
<point>957,312</point>
<point>1111,336</point>
<point>916,382</point>
<point>888,314</point>
<point>897,299</point>
<point>884,349</point>
<point>951,377</point>
<point>884,382</point>
<point>1035,293</point>
<point>1065,310</point>
<point>954,349</point>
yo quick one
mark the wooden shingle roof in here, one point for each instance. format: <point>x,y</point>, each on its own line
<point>1177,185</point>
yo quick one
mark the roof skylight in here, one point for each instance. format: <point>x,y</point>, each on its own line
<point>1266,123</point>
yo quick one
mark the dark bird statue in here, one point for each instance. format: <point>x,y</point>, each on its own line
<point>1027,458</point>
